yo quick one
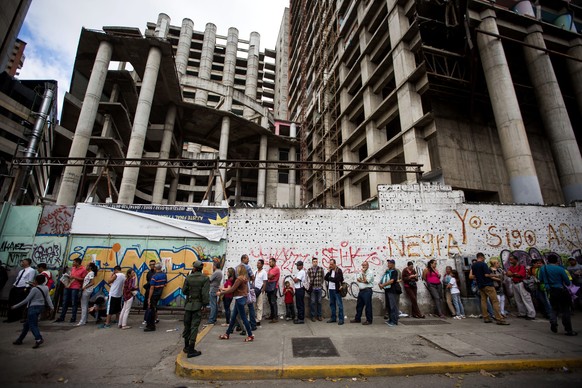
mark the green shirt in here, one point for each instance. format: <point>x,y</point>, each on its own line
<point>196,290</point>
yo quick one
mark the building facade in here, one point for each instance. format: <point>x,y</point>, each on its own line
<point>485,95</point>
<point>171,92</point>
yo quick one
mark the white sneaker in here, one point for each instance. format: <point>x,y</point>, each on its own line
<point>402,315</point>
<point>81,324</point>
<point>144,323</point>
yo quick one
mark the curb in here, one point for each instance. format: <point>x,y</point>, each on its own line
<point>226,372</point>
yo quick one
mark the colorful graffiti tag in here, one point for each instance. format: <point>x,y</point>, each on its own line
<point>176,256</point>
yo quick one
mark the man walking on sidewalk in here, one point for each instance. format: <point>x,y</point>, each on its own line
<point>298,280</point>
<point>19,290</point>
<point>482,273</point>
<point>196,289</point>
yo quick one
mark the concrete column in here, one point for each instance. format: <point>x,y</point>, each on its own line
<point>554,116</point>
<point>575,70</point>
<point>519,163</point>
<point>160,181</point>
<point>292,171</point>
<point>72,174</point>
<point>262,175</point>
<point>142,115</point>
<point>182,55</point>
<point>222,154</point>
<point>206,59</point>
<point>252,71</point>
<point>409,102</point>
<point>173,190</point>
<point>230,57</point>
<point>183,50</point>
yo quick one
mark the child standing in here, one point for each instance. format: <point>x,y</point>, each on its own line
<point>289,306</point>
<point>456,295</point>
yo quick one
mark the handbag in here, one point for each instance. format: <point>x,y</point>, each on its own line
<point>251,297</point>
<point>396,287</point>
<point>412,283</point>
<point>46,313</point>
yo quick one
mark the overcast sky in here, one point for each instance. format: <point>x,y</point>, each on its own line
<point>52,27</point>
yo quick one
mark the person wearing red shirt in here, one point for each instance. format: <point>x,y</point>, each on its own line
<point>289,306</point>
<point>522,297</point>
<point>72,292</point>
<point>272,286</point>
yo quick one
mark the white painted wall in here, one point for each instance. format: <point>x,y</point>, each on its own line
<point>414,223</point>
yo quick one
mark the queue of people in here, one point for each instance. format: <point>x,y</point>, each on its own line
<point>243,294</point>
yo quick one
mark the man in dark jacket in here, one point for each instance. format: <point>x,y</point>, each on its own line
<point>196,289</point>
<point>335,277</point>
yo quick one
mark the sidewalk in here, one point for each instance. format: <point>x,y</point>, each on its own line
<point>415,346</point>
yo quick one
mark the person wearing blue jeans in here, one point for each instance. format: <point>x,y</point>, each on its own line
<point>365,283</point>
<point>37,300</point>
<point>240,291</point>
<point>215,281</point>
<point>335,277</point>
<point>389,283</point>
<point>70,296</point>
<point>315,303</point>
<point>315,280</point>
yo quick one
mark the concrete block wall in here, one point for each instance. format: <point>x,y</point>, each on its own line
<point>414,223</point>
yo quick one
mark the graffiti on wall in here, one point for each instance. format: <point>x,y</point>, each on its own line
<point>40,250</point>
<point>55,220</point>
<point>176,258</point>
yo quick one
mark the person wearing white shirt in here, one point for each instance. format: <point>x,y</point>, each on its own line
<point>260,285</point>
<point>20,289</point>
<point>298,280</point>
<point>365,282</point>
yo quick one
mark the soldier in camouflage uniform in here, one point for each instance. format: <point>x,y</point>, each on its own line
<point>196,290</point>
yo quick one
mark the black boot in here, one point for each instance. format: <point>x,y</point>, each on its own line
<point>193,352</point>
<point>186,345</point>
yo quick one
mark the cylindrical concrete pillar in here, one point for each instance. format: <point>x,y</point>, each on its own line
<point>206,59</point>
<point>251,81</point>
<point>183,50</point>
<point>519,163</point>
<point>140,125</point>
<point>222,154</point>
<point>173,190</point>
<point>162,26</point>
<point>575,70</point>
<point>230,57</point>
<point>292,171</point>
<point>554,116</point>
<point>161,172</point>
<point>72,174</point>
<point>262,173</point>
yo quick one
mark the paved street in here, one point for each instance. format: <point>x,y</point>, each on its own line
<point>87,356</point>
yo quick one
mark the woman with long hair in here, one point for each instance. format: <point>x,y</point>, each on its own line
<point>87,290</point>
<point>410,280</point>
<point>227,298</point>
<point>129,291</point>
<point>240,290</point>
<point>432,277</point>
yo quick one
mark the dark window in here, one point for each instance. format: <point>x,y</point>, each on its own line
<point>283,175</point>
<point>363,152</point>
<point>365,187</point>
<point>283,153</point>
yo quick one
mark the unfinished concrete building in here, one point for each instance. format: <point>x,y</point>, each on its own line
<point>486,95</point>
<point>138,101</point>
